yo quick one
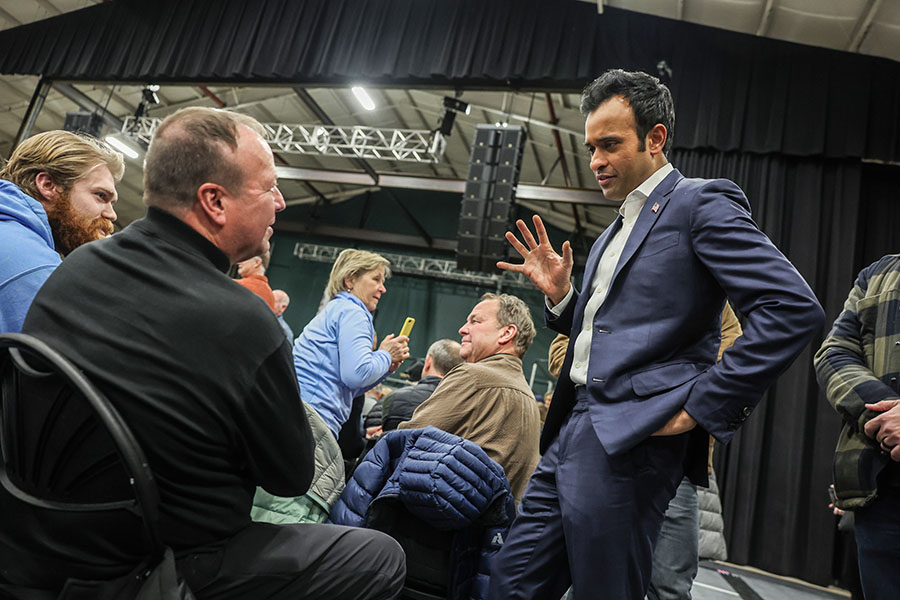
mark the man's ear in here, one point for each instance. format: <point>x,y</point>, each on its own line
<point>656,139</point>
<point>213,201</point>
<point>47,189</point>
<point>508,334</point>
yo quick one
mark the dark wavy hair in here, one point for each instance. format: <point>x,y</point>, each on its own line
<point>650,100</point>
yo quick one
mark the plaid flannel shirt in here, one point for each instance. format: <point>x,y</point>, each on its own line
<point>858,364</point>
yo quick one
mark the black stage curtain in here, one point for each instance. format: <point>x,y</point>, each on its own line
<point>732,91</point>
<point>774,474</point>
<point>880,216</point>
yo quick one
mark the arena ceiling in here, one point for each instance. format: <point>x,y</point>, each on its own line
<point>553,158</point>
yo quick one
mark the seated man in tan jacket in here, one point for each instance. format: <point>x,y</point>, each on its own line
<point>486,399</point>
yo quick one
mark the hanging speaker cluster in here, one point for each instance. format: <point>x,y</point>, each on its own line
<point>84,122</point>
<point>488,203</point>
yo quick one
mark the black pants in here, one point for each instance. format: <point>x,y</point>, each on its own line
<point>299,561</point>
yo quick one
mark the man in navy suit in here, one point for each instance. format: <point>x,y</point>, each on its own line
<point>640,389</point>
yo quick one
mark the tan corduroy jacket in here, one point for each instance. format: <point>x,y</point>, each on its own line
<point>491,404</point>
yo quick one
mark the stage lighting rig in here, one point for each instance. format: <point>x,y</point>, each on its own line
<point>148,98</point>
<point>451,107</point>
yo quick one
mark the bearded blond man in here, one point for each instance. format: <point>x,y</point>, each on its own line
<point>57,192</point>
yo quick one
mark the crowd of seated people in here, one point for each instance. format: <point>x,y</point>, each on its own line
<point>243,424</point>
<point>247,471</point>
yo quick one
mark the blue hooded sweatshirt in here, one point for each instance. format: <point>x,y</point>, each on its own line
<point>27,254</point>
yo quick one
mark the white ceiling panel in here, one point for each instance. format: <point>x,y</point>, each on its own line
<point>826,24</point>
<point>735,15</point>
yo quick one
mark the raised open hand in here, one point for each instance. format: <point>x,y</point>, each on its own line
<point>547,270</point>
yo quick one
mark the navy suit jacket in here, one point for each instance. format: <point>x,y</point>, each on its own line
<point>655,338</point>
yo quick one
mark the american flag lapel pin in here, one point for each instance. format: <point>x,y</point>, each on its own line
<point>655,207</point>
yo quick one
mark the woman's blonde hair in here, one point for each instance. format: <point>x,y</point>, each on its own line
<point>350,264</point>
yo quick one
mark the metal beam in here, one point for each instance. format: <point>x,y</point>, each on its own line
<point>338,196</point>
<point>437,268</point>
<point>766,18</point>
<point>864,25</point>
<point>31,114</point>
<point>505,115</point>
<point>393,108</point>
<point>558,141</point>
<point>9,18</point>
<point>366,235</point>
<point>524,191</point>
<point>320,113</point>
<point>218,101</point>
<point>48,6</point>
<point>86,103</point>
<point>412,218</point>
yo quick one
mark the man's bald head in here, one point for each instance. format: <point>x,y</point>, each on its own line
<point>282,300</point>
<point>191,147</point>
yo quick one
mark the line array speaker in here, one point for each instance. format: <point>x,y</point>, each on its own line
<point>488,203</point>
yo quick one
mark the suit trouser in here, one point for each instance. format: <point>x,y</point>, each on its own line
<point>588,518</point>
<point>296,562</point>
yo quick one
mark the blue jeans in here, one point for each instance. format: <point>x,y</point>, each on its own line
<point>676,556</point>
<point>878,539</point>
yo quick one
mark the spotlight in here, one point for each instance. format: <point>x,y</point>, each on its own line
<point>446,127</point>
<point>148,98</point>
<point>149,94</point>
<point>451,107</point>
<point>457,105</point>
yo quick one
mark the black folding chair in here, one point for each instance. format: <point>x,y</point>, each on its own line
<point>78,501</point>
<point>428,551</point>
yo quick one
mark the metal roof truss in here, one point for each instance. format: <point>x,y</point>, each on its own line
<point>406,145</point>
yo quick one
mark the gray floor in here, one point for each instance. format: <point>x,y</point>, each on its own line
<point>724,582</point>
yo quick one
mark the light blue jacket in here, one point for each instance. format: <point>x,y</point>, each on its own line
<point>334,360</point>
<point>27,254</point>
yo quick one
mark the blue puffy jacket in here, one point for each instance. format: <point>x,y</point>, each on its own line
<point>444,480</point>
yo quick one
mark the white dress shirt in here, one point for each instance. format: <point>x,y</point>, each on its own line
<point>599,285</point>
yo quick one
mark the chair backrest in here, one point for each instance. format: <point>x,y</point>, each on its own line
<point>429,562</point>
<point>72,471</point>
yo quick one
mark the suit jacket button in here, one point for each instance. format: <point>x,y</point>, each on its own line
<point>747,410</point>
<point>732,426</point>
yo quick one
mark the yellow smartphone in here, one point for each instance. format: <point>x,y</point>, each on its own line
<point>407,326</point>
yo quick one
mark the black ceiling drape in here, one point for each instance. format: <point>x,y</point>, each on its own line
<point>732,91</point>
<point>775,472</point>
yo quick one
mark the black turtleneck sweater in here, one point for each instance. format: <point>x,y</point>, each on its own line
<point>197,365</point>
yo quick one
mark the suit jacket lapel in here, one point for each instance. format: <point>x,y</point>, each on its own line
<point>645,221</point>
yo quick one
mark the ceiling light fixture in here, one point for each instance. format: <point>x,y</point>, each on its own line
<point>122,147</point>
<point>363,96</point>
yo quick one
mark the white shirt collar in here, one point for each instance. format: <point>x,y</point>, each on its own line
<point>635,200</point>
